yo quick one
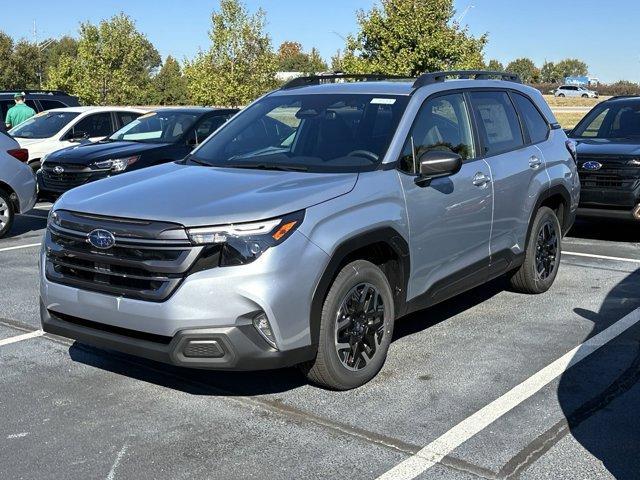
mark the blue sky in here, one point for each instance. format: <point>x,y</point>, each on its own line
<point>604,34</point>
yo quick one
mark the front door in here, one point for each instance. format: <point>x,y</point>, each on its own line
<point>449,219</point>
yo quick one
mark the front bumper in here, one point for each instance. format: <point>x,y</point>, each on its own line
<point>222,348</point>
<point>220,301</point>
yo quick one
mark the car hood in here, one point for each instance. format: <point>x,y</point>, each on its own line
<point>198,196</point>
<point>86,153</point>
<point>607,147</point>
<point>28,142</point>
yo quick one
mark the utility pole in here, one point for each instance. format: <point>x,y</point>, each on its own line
<point>41,48</point>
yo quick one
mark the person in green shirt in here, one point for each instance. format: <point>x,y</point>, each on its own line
<point>19,112</point>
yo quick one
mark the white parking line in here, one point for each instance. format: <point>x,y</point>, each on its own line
<point>447,443</point>
<point>19,338</point>
<point>602,257</point>
<point>18,247</point>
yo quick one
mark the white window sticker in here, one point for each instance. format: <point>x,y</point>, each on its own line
<point>383,101</point>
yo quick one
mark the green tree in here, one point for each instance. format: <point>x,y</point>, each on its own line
<point>240,64</point>
<point>170,87</point>
<point>409,37</point>
<point>24,65</point>
<point>548,73</point>
<point>337,62</point>
<point>7,79</point>
<point>525,68</point>
<point>495,66</point>
<point>113,65</point>
<point>570,67</point>
<point>291,58</point>
<point>315,62</point>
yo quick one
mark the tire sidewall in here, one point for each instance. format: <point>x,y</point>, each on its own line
<point>353,274</point>
<point>5,196</point>
<point>544,215</point>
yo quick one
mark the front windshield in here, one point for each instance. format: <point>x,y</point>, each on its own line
<point>613,121</point>
<point>44,125</point>
<point>156,127</point>
<point>313,132</point>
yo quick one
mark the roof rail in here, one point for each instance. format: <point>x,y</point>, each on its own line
<point>34,92</point>
<point>615,97</point>
<point>436,77</point>
<point>318,79</point>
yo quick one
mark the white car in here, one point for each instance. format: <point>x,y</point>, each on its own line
<point>574,91</point>
<point>17,182</point>
<point>59,128</point>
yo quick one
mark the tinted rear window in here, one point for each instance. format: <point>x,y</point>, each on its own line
<point>535,123</point>
<point>500,127</point>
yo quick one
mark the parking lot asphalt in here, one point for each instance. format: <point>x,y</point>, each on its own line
<point>481,386</point>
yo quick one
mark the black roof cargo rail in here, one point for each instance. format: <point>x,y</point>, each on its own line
<point>37,92</point>
<point>318,79</point>
<point>437,77</point>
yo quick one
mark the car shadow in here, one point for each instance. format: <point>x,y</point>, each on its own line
<point>24,226</point>
<point>605,229</point>
<point>189,380</point>
<point>219,383</point>
<point>600,395</point>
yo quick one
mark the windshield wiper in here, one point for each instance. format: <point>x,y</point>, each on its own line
<point>197,162</point>
<point>266,166</point>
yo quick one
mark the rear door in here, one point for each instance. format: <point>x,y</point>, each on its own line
<point>449,219</point>
<point>517,169</point>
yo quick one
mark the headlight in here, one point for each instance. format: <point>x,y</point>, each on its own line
<point>116,164</point>
<point>242,243</point>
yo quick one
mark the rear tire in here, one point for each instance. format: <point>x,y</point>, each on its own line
<point>585,96</point>
<point>356,326</point>
<point>542,255</point>
<point>7,213</point>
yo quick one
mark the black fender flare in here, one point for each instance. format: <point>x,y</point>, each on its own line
<point>387,235</point>
<point>545,195</point>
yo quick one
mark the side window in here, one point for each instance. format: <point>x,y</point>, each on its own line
<point>124,118</point>
<point>97,125</point>
<point>537,126</point>
<point>32,104</point>
<point>500,127</point>
<point>205,128</point>
<point>443,123</point>
<point>49,104</point>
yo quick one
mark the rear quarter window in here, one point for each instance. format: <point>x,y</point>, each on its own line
<point>536,125</point>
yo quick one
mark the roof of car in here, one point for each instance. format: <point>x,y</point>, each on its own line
<point>198,110</point>
<point>376,88</point>
<point>97,109</point>
<point>624,99</point>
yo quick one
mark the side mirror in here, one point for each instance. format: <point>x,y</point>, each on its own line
<point>437,164</point>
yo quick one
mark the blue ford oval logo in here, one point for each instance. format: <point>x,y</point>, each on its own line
<point>592,165</point>
<point>102,239</point>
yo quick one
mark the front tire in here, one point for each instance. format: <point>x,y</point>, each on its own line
<point>7,213</point>
<point>356,326</point>
<point>542,255</point>
<point>561,95</point>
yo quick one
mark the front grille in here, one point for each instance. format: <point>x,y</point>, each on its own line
<point>148,261</point>
<point>616,173</point>
<point>73,176</point>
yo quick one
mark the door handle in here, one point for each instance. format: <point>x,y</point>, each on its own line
<point>480,179</point>
<point>535,162</point>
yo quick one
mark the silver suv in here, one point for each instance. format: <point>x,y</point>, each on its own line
<point>301,230</point>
